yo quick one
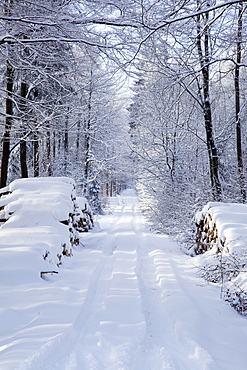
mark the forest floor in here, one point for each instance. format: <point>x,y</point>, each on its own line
<point>128,300</point>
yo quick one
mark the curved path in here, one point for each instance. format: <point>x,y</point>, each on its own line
<point>144,307</point>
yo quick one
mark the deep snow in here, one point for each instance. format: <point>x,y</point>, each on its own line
<point>128,299</point>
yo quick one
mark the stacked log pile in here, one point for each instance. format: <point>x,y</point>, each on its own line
<point>206,234</point>
<point>50,204</point>
<point>222,229</point>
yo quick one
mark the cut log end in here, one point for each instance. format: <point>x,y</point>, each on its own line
<point>44,273</point>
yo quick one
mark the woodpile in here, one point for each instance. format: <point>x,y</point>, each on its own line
<point>3,194</point>
<point>58,205</point>
<point>222,228</point>
<point>206,234</point>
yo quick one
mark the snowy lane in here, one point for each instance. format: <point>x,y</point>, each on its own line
<point>144,308</point>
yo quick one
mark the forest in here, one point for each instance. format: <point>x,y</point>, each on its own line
<point>123,198</point>
<point>123,93</point>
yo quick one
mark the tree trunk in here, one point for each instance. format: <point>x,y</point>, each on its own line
<point>66,146</point>
<point>78,134</point>
<point>23,145</point>
<point>48,151</point>
<point>237,105</point>
<point>88,139</point>
<point>204,58</point>
<point>36,155</point>
<point>54,146</point>
<point>8,124</point>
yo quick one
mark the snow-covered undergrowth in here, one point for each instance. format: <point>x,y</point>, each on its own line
<point>222,238</point>
<point>40,218</point>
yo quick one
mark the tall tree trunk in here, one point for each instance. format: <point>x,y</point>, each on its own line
<point>36,154</point>
<point>8,124</point>
<point>48,151</point>
<point>237,104</point>
<point>66,145</point>
<point>78,134</point>
<point>54,146</point>
<point>88,139</point>
<point>23,145</point>
<point>204,58</point>
<point>8,4</point>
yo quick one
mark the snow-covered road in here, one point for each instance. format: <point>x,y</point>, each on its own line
<point>141,307</point>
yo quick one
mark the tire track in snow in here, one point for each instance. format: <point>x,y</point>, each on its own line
<point>61,352</point>
<point>122,321</point>
<point>164,346</point>
<point>152,353</point>
<point>85,345</point>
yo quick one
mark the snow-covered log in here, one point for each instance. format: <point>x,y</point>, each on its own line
<point>45,217</point>
<point>222,229</point>
<point>221,225</point>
